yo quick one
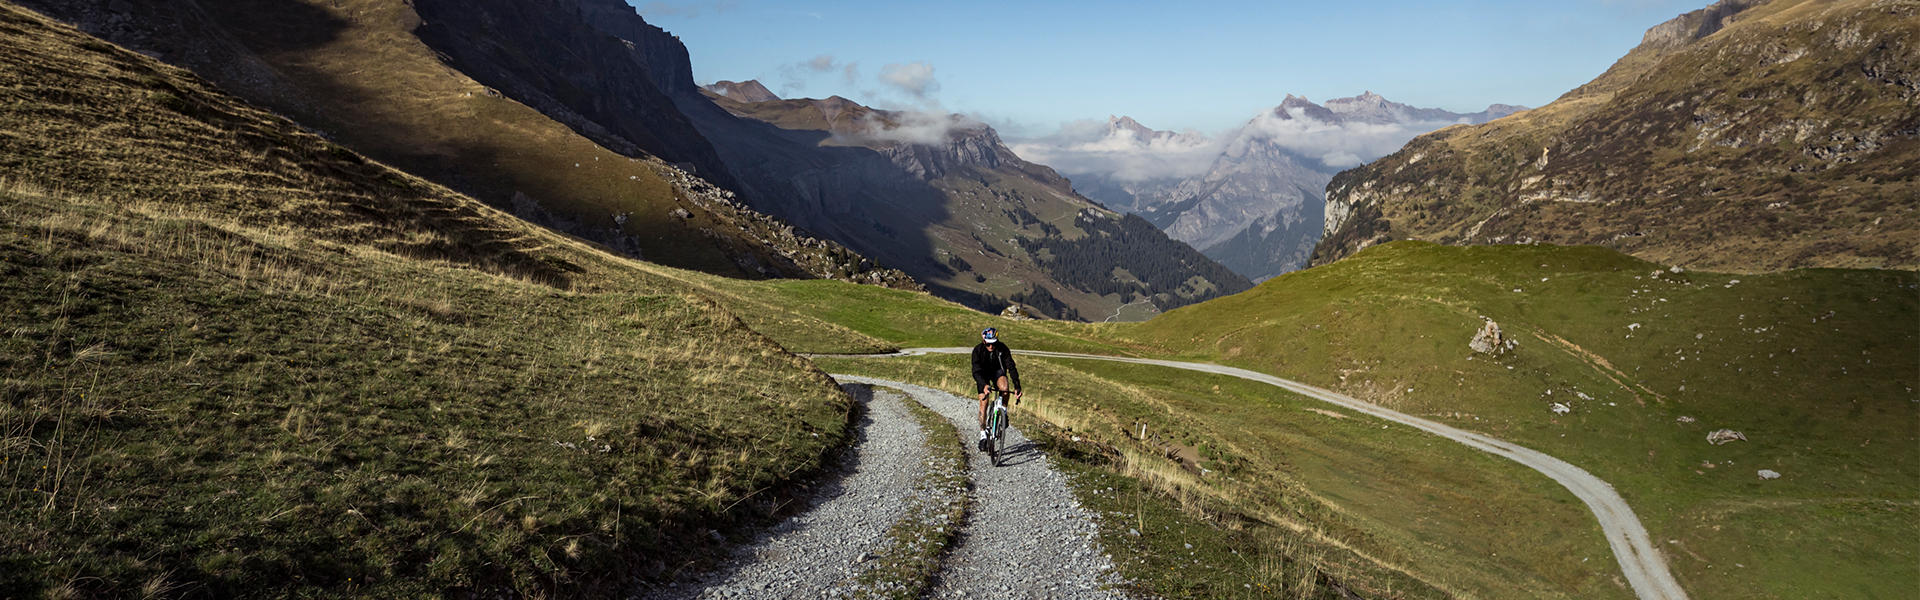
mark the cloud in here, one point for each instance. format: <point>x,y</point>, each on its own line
<point>918,127</point>
<point>1122,153</point>
<point>1337,145</point>
<point>1094,147</point>
<point>914,78</point>
<point>795,76</point>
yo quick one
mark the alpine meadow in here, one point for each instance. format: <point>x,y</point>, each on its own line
<point>611,299</point>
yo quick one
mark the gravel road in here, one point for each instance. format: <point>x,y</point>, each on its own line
<point>1027,537</point>
<point>1641,562</point>
<point>818,552</point>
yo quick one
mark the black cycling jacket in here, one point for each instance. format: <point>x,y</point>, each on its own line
<point>989,360</point>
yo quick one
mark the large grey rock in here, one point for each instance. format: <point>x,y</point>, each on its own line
<point>1722,436</point>
<point>1489,340</point>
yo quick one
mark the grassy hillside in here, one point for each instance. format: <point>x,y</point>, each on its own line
<point>360,71</point>
<point>1749,136</point>
<point>239,360</point>
<point>1817,368</point>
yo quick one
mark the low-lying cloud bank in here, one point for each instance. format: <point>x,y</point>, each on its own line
<point>1336,144</point>
<point>1123,150</point>
<point>1126,154</point>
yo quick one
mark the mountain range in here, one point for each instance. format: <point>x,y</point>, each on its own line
<point>944,198</point>
<point>454,92</point>
<point>580,115</point>
<point>1253,197</point>
<point>1746,136</point>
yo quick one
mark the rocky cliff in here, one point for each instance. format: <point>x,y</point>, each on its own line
<point>1745,136</point>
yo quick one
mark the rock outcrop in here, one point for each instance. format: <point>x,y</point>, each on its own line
<point>1489,340</point>
<point>1724,436</point>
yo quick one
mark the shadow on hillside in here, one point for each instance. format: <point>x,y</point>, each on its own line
<point>852,195</point>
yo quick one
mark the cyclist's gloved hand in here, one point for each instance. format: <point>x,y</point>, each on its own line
<point>1016,396</point>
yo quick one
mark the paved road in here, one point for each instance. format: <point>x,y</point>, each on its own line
<point>1644,567</point>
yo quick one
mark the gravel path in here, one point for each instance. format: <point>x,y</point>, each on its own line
<point>1641,562</point>
<point>1027,536</point>
<point>818,552</point>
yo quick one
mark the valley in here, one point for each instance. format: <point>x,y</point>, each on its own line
<point>1254,197</point>
<point>372,298</point>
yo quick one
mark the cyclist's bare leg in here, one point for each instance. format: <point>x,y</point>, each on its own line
<point>983,406</point>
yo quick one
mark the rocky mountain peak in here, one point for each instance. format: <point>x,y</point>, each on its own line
<point>742,91</point>
<point>1300,105</point>
<point>1133,129</point>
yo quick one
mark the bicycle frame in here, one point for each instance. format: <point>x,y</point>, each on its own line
<point>997,425</point>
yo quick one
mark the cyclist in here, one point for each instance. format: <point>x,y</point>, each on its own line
<point>992,369</point>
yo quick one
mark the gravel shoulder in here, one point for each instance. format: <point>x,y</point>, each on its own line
<point>1027,536</point>
<point>1645,568</point>
<point>821,551</point>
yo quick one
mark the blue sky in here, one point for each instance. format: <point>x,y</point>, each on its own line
<point>1027,67</point>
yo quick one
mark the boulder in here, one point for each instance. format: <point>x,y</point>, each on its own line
<point>1722,436</point>
<point>1489,340</point>
<point>1018,312</point>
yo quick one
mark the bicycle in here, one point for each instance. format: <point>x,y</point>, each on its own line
<point>996,427</point>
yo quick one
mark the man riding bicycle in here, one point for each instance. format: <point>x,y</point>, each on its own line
<point>992,368</point>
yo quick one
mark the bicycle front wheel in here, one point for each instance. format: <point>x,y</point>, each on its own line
<point>1000,431</point>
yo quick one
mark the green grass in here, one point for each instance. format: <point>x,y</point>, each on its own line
<point>1810,365</point>
<point>1285,472</point>
<point>1816,367</point>
<point>238,361</point>
<point>831,317</point>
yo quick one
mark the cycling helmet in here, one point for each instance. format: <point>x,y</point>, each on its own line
<point>988,336</point>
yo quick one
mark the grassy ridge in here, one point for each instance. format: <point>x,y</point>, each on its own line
<point>1817,368</point>
<point>236,360</point>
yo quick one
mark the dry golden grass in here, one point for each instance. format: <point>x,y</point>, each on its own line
<point>239,360</point>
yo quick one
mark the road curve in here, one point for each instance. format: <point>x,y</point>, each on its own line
<point>1644,567</point>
